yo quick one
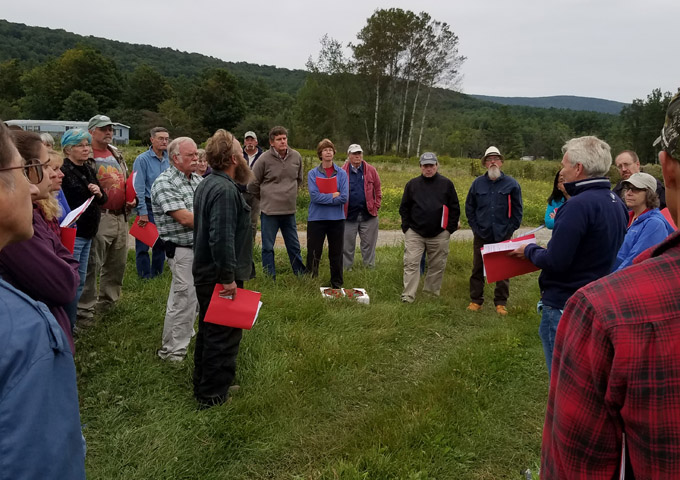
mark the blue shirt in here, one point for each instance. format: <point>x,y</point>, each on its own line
<point>357,196</point>
<point>148,166</point>
<point>649,229</point>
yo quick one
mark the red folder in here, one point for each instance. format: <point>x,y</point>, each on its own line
<point>148,234</point>
<point>239,313</point>
<point>130,192</point>
<point>445,217</point>
<point>501,266</point>
<point>669,219</point>
<point>68,237</point>
<point>327,185</point>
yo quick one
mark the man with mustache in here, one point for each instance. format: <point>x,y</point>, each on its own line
<point>223,246</point>
<point>494,211</point>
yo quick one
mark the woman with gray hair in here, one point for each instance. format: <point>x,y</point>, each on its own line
<point>79,184</point>
<point>646,226</point>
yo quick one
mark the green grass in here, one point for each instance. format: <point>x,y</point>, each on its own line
<point>330,389</point>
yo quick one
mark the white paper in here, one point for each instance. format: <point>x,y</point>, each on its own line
<point>259,306</point>
<point>506,246</point>
<point>71,218</point>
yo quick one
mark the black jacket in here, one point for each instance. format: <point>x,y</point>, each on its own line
<point>422,204</point>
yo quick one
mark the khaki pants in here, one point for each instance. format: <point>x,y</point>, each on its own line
<point>107,263</point>
<point>180,312</point>
<point>437,251</point>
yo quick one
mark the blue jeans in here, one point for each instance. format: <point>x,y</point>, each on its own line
<point>81,252</point>
<point>550,318</point>
<point>146,269</point>
<point>270,225</point>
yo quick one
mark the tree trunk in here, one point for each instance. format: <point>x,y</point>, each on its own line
<point>374,146</point>
<point>422,121</point>
<point>403,117</point>
<point>413,116</point>
<point>368,135</point>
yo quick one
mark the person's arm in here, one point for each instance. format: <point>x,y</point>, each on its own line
<point>454,209</point>
<point>104,197</point>
<point>343,188</point>
<point>183,216</point>
<point>549,217</point>
<point>140,167</point>
<point>579,428</point>
<point>405,208</point>
<point>300,177</point>
<point>377,189</point>
<point>653,233</point>
<point>258,176</point>
<point>471,208</point>
<point>171,202</point>
<point>516,207</point>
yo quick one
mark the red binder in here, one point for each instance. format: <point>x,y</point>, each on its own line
<point>327,185</point>
<point>239,313</point>
<point>500,265</point>
<point>68,237</point>
<point>148,234</point>
<point>445,217</point>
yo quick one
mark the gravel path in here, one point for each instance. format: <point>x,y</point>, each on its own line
<point>396,237</point>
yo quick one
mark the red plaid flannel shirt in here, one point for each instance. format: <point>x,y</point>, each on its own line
<point>616,368</point>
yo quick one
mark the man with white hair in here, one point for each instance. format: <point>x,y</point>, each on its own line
<point>172,200</point>
<point>589,230</point>
<point>494,211</point>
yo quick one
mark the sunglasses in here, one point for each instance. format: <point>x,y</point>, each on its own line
<point>33,170</point>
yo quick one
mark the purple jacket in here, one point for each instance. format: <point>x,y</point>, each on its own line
<point>371,188</point>
<point>44,270</point>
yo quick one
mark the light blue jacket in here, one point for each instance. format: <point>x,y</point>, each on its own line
<point>552,206</point>
<point>323,206</point>
<point>649,229</point>
<point>148,166</point>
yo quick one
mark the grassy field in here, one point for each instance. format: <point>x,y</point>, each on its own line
<point>330,389</point>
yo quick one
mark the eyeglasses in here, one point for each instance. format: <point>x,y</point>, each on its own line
<point>33,170</point>
<point>633,189</point>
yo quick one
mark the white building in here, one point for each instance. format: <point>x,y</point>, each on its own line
<point>56,128</point>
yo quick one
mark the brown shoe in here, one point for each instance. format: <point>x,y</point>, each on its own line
<point>501,310</point>
<point>474,307</point>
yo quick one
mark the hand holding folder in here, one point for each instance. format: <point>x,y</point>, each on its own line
<point>148,234</point>
<point>499,265</point>
<point>241,312</point>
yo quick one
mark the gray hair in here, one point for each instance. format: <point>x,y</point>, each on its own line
<point>47,139</point>
<point>591,152</point>
<point>156,130</point>
<point>173,148</point>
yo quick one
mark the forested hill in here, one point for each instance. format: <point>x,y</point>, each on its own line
<point>569,102</point>
<point>35,45</point>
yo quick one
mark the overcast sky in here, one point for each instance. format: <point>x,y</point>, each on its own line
<point>611,49</point>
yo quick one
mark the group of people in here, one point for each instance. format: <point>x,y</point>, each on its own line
<point>610,339</point>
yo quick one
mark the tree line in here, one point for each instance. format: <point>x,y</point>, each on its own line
<point>392,90</point>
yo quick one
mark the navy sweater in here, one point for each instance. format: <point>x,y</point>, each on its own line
<point>589,230</point>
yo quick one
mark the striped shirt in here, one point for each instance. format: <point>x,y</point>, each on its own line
<point>173,191</point>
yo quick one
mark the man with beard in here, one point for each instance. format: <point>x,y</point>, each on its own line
<point>494,211</point>
<point>628,163</point>
<point>223,247</point>
<point>251,152</point>
<point>172,199</point>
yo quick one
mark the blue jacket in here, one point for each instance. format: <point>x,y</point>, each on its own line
<point>40,434</point>
<point>487,204</point>
<point>552,206</point>
<point>649,229</point>
<point>589,229</point>
<point>323,206</point>
<point>148,166</point>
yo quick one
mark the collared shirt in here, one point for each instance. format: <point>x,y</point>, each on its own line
<point>616,369</point>
<point>357,196</point>
<point>173,191</point>
<point>148,167</point>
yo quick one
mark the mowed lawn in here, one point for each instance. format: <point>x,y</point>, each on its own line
<point>330,389</point>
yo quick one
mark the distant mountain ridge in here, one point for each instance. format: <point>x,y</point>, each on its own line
<point>569,102</point>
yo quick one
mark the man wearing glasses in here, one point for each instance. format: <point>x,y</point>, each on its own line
<point>109,247</point>
<point>147,167</point>
<point>628,163</point>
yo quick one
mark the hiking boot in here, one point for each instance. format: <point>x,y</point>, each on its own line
<point>474,307</point>
<point>501,310</point>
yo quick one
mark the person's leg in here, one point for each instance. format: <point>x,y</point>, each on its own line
<point>270,226</point>
<point>349,243</point>
<point>501,292</point>
<point>98,249</point>
<point>142,259</point>
<point>316,233</point>
<point>413,250</point>
<point>290,238</point>
<point>113,267</point>
<point>477,276</point>
<point>158,251</point>
<point>336,234</point>
<point>180,313</point>
<point>203,296</point>
<point>81,252</point>
<point>547,330</point>
<point>368,235</point>
<point>254,204</point>
<point>437,253</point>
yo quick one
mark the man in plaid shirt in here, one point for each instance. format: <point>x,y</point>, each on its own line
<point>172,199</point>
<point>615,393</point>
